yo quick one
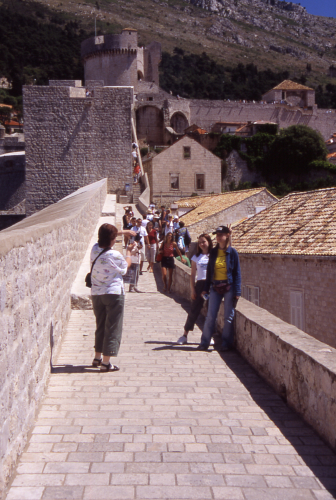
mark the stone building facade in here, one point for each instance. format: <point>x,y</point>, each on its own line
<point>226,209</point>
<point>288,260</point>
<point>73,140</point>
<point>291,93</point>
<point>118,61</point>
<point>184,168</point>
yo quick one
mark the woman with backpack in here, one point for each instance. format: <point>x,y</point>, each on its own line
<point>199,264</point>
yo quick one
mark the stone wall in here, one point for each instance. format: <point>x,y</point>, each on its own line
<point>300,368</point>
<point>233,214</point>
<point>238,171</point>
<point>12,179</point>
<point>12,143</point>
<point>315,277</point>
<point>39,260</point>
<point>73,140</point>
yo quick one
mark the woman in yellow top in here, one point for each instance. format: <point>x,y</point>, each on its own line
<point>223,280</point>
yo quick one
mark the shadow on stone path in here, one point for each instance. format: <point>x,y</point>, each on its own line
<point>173,423</point>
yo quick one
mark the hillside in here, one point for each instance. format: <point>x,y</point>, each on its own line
<point>271,33</point>
<point>40,40</point>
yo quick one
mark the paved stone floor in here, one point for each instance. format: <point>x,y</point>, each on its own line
<point>173,423</point>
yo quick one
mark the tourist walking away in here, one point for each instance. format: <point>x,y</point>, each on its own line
<point>108,295</point>
<point>167,248</point>
<point>183,237</point>
<point>152,246</point>
<point>223,280</point>
<point>199,264</point>
<point>139,229</point>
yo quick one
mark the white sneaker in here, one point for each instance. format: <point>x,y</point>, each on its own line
<point>212,342</point>
<point>182,340</point>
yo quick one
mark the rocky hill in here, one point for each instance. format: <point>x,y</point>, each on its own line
<point>269,33</point>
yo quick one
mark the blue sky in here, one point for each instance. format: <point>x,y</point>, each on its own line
<point>325,8</point>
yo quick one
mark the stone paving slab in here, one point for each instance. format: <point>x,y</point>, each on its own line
<point>173,423</point>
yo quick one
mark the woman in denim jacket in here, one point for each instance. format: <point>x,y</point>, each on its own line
<point>223,281</point>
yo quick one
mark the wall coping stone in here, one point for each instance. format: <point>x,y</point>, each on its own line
<point>300,368</point>
<point>44,221</point>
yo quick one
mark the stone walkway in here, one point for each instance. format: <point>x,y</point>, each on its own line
<point>173,423</point>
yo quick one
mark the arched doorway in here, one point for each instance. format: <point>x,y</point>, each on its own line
<point>179,122</point>
<point>140,75</point>
<point>149,125</point>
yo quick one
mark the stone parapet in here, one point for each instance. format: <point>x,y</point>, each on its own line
<point>300,368</point>
<point>39,259</point>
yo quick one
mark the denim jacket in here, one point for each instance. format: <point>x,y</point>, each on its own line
<point>233,270</point>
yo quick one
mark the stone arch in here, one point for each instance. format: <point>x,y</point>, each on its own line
<point>179,122</point>
<point>140,75</point>
<point>150,124</point>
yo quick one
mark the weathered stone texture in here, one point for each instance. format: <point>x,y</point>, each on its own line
<point>238,171</point>
<point>277,275</point>
<point>233,214</point>
<point>299,367</point>
<point>74,141</point>
<point>39,259</point>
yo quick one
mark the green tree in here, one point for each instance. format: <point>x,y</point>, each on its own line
<point>294,149</point>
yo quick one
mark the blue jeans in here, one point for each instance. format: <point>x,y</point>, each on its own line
<point>215,300</point>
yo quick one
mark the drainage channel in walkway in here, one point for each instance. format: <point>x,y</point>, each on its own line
<point>173,423</point>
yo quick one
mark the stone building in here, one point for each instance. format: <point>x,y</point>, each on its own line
<point>223,209</point>
<point>74,139</point>
<point>288,260</point>
<point>118,61</point>
<point>184,168</point>
<point>291,93</point>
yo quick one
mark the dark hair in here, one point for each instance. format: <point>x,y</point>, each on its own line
<point>106,234</point>
<point>181,223</point>
<point>209,240</point>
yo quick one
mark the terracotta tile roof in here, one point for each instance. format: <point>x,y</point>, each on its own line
<point>298,224</point>
<point>217,203</point>
<point>332,155</point>
<point>289,85</point>
<point>192,202</point>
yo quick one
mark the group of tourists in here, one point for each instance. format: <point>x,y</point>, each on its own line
<point>215,275</point>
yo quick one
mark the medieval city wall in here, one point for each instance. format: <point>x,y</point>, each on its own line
<point>206,113</point>
<point>73,140</point>
<point>114,67</point>
<point>300,368</point>
<point>39,260</point>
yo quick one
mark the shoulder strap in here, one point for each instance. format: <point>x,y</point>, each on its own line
<point>105,250</point>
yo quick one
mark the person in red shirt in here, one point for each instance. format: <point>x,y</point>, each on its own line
<point>152,245</point>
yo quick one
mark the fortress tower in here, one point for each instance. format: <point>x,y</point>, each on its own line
<point>118,61</point>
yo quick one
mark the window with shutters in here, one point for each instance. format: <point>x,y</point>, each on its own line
<point>296,308</point>
<point>251,293</point>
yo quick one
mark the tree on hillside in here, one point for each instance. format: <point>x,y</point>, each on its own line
<point>294,149</point>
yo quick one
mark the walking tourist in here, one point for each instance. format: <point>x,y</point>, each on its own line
<point>199,264</point>
<point>223,280</point>
<point>152,246</point>
<point>167,263</point>
<point>139,229</point>
<point>108,295</point>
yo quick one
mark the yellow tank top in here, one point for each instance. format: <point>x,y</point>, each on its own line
<point>220,266</point>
